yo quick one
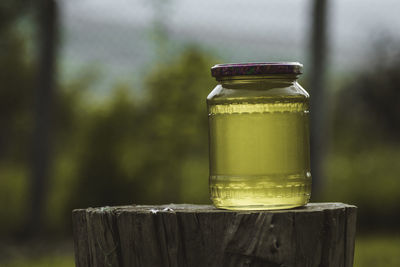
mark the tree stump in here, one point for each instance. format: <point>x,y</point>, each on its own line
<point>319,234</point>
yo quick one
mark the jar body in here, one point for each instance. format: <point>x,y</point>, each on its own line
<point>259,144</point>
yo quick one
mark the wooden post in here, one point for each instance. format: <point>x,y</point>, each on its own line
<point>319,234</point>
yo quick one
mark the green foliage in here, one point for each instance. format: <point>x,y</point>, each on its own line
<point>16,76</point>
<point>144,152</point>
<point>121,151</point>
<point>368,105</point>
<point>13,197</point>
<point>17,96</point>
<point>368,179</point>
<point>363,167</point>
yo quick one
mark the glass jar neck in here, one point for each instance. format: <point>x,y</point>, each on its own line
<point>258,81</point>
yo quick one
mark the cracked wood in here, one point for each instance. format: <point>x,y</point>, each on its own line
<point>319,234</point>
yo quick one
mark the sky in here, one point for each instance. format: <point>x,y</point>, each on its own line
<point>115,35</point>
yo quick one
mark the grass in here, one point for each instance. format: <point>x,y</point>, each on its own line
<point>377,250</point>
<point>37,254</point>
<point>42,261</point>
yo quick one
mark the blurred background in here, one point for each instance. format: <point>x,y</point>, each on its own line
<point>103,103</point>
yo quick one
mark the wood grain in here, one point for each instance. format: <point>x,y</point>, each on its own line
<point>319,234</point>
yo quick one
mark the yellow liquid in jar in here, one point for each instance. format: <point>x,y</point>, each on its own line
<point>259,155</point>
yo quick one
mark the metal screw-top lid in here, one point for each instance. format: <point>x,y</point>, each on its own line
<point>239,69</point>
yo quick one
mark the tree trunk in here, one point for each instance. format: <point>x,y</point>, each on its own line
<point>318,56</point>
<point>47,35</point>
<point>319,234</point>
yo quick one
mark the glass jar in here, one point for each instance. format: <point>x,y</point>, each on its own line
<point>259,137</point>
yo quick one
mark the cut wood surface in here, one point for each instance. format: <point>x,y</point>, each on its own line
<point>319,234</point>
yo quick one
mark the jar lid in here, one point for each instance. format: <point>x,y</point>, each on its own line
<point>239,69</point>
